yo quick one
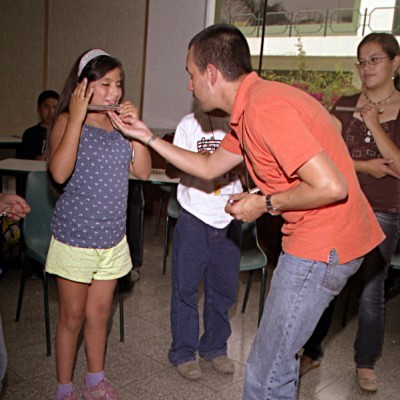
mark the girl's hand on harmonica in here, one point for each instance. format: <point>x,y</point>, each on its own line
<point>128,112</point>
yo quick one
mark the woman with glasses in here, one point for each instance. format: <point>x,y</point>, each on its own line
<point>370,125</point>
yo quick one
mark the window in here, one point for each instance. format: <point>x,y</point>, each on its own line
<point>291,17</point>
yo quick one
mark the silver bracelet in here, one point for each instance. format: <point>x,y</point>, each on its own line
<point>151,140</point>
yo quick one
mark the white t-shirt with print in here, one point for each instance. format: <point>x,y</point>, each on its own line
<point>205,199</point>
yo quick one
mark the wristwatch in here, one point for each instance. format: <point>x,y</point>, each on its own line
<point>270,208</point>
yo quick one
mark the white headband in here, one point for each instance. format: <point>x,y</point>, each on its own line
<point>89,56</point>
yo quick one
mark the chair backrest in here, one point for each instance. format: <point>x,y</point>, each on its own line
<point>395,262</point>
<point>173,207</point>
<point>252,256</point>
<point>41,197</point>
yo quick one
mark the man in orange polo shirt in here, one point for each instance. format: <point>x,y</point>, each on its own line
<point>300,163</point>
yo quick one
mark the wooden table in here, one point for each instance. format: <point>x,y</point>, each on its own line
<point>20,169</point>
<point>158,177</point>
<point>16,166</point>
<point>10,142</point>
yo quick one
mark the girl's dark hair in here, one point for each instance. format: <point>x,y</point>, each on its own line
<point>93,71</point>
<point>389,45</point>
<point>225,47</point>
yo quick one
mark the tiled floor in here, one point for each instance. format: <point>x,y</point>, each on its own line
<point>139,367</point>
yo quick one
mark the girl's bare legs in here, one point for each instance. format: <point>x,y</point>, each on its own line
<point>98,308</point>
<point>72,304</point>
<point>78,301</point>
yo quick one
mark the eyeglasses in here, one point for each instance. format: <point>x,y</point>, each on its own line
<point>371,61</point>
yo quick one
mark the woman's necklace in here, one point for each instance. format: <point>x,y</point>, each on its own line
<point>378,103</point>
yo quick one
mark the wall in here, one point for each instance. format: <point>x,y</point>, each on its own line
<point>166,98</point>
<point>117,26</point>
<point>21,62</point>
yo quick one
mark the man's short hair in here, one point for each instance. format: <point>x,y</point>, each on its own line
<point>47,94</point>
<point>225,47</point>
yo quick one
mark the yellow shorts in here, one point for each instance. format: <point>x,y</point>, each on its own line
<point>83,265</point>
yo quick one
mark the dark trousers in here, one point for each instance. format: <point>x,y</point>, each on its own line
<point>373,272</point>
<point>202,252</point>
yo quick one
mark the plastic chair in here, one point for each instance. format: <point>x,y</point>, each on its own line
<point>395,262</point>
<point>35,241</point>
<point>392,286</point>
<point>252,258</point>
<point>173,209</point>
<point>163,189</point>
<point>35,237</point>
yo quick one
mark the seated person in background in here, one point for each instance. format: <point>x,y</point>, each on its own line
<point>206,246</point>
<point>34,138</point>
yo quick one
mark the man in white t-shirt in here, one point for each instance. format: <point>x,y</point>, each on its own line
<point>206,245</point>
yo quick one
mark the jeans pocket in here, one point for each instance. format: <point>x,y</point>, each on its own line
<point>336,275</point>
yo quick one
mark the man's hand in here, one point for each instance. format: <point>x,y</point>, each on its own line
<point>132,128</point>
<point>246,207</point>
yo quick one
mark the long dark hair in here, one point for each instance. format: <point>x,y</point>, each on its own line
<point>389,45</point>
<point>93,71</point>
<point>225,47</point>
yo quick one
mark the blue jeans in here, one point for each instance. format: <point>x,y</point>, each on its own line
<point>202,252</point>
<point>372,274</point>
<point>300,291</point>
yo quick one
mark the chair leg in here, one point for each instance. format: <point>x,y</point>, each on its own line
<point>159,211</point>
<point>262,294</point>
<point>166,245</point>
<point>246,293</point>
<point>46,312</point>
<point>121,313</point>
<point>23,278</point>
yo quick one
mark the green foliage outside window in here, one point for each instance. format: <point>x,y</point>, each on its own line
<point>325,86</point>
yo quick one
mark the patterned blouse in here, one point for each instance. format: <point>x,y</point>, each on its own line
<point>383,194</point>
<point>91,211</point>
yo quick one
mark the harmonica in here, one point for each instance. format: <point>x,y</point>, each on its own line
<point>356,109</point>
<point>350,109</point>
<point>100,107</point>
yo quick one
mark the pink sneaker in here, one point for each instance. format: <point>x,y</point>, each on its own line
<point>102,391</point>
<point>70,396</point>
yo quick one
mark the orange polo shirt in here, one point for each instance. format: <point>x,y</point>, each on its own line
<point>280,128</point>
